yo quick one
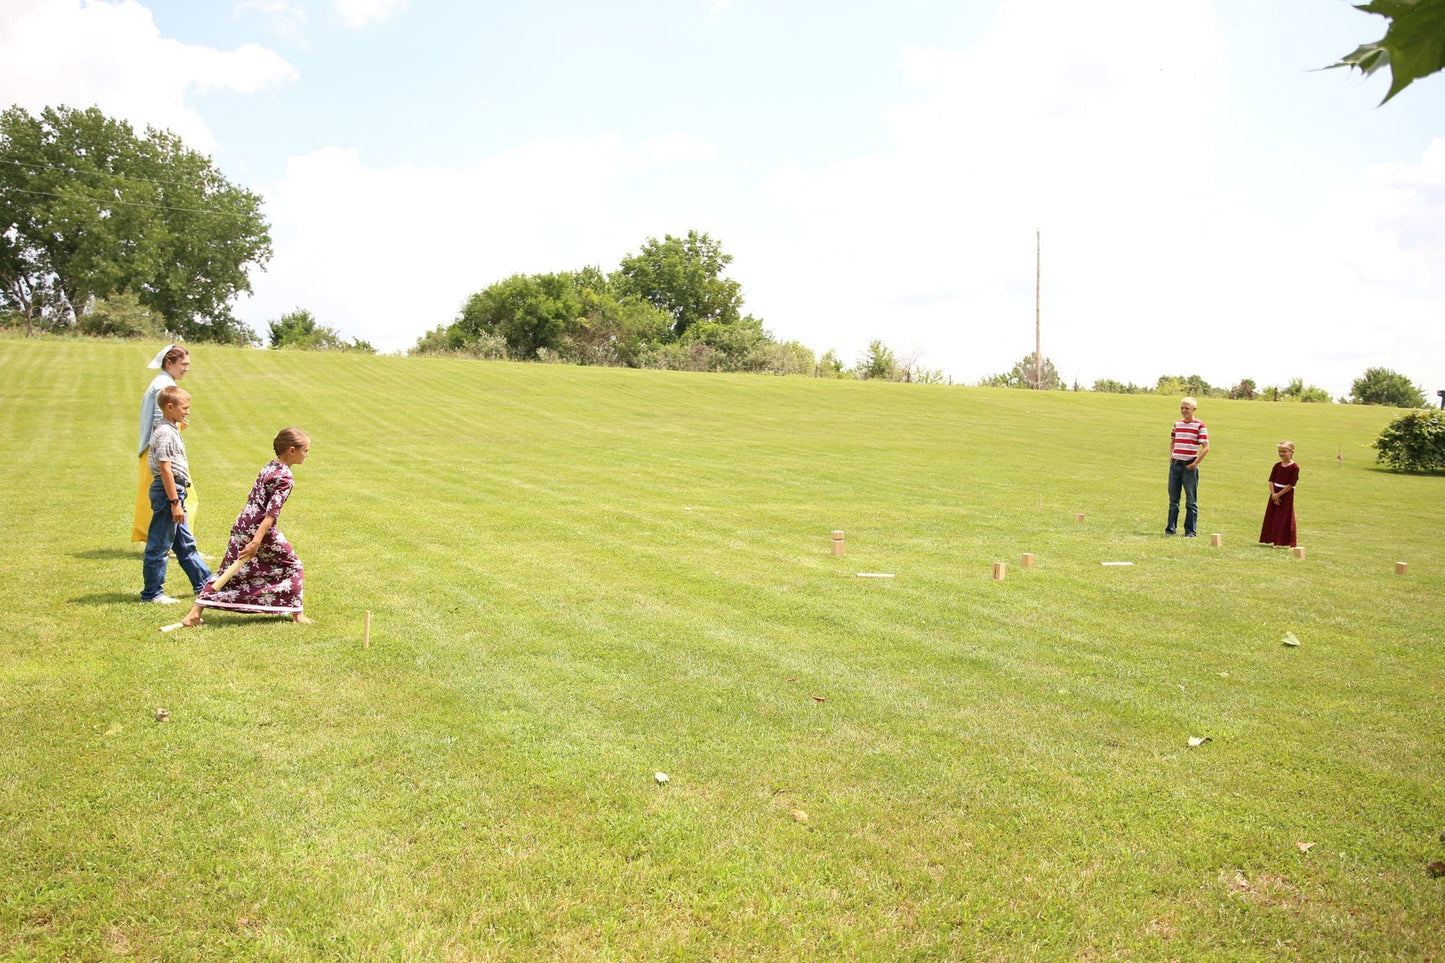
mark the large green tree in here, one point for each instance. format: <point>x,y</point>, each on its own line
<point>1413,45</point>
<point>667,306</point>
<point>1381,386</point>
<point>88,210</point>
<point>529,312</point>
<point>682,276</point>
<point>574,315</point>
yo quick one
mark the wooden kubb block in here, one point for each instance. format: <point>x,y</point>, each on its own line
<point>838,543</point>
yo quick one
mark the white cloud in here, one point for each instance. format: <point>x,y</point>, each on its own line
<point>385,255</point>
<point>1040,125</point>
<point>113,56</point>
<point>1100,127</point>
<point>360,13</point>
<point>285,17</point>
<point>1367,274</point>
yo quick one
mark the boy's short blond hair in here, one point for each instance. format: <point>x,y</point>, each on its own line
<point>1186,400</point>
<point>172,395</point>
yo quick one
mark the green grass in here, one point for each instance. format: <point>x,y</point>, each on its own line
<point>582,576</point>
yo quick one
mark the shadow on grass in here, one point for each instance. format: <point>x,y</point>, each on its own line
<point>234,620</point>
<point>110,598</point>
<point>1416,472</point>
<point>107,554</point>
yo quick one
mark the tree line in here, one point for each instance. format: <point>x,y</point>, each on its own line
<point>108,233</point>
<point>667,306</point>
<point>1377,386</point>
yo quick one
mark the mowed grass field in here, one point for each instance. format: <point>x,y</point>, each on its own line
<point>580,577</point>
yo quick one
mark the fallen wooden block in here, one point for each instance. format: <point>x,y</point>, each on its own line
<point>874,575</point>
<point>1108,564</point>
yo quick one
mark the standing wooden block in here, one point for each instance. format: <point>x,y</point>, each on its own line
<point>837,543</point>
<point>366,630</point>
<point>999,571</point>
<point>1079,517</point>
<point>1401,567</point>
<point>1028,560</point>
<point>1299,551</point>
<point>1216,539</point>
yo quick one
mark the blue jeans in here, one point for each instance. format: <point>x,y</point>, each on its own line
<point>164,536</point>
<point>1183,477</point>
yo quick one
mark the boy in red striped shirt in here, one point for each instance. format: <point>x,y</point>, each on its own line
<point>1188,444</point>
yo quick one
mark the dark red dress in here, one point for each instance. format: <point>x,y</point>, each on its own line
<point>1279,518</point>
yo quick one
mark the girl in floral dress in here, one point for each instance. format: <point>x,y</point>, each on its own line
<point>269,580</point>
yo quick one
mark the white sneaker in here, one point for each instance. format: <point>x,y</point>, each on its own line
<point>164,599</point>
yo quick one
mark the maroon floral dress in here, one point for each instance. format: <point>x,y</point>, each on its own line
<point>269,582</point>
<point>1279,526</point>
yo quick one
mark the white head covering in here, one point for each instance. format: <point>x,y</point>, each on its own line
<point>158,359</point>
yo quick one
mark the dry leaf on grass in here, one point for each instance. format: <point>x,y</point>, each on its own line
<point>1437,869</point>
<point>1304,847</point>
<point>660,778</point>
<point>1290,640</point>
<point>819,699</point>
<point>163,715</point>
<point>1196,741</point>
<point>799,816</point>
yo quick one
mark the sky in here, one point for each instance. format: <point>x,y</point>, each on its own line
<point>1202,200</point>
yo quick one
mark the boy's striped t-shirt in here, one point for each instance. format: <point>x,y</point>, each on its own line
<point>1188,436</point>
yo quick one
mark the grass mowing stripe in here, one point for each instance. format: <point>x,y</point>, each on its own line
<point>581,576</point>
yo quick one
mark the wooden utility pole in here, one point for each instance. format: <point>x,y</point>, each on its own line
<point>1038,332</point>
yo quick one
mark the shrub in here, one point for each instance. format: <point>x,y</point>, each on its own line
<point>1110,386</point>
<point>121,316</point>
<point>1414,442</point>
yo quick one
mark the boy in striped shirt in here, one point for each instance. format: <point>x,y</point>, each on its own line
<point>1188,444</point>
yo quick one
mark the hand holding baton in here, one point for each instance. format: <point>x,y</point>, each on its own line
<point>226,575</point>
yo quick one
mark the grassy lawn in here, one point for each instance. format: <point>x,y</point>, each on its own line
<point>579,577</point>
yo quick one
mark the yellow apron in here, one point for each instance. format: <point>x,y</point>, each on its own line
<point>140,526</point>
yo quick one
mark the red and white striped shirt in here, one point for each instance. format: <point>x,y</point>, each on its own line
<point>1188,436</point>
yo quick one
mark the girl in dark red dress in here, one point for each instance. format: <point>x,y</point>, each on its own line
<point>270,580</point>
<point>1279,526</point>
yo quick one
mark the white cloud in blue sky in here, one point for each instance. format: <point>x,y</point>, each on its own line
<point>1208,204</point>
